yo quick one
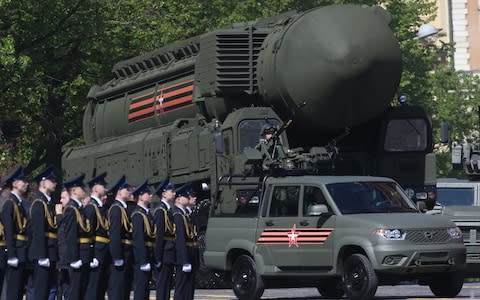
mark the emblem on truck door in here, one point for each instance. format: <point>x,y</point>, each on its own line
<point>294,236</point>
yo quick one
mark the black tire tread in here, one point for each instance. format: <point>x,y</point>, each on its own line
<point>447,285</point>
<point>257,292</point>
<point>369,291</point>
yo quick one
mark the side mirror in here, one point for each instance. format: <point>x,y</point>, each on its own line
<point>422,206</point>
<point>444,132</point>
<point>218,139</point>
<point>317,210</point>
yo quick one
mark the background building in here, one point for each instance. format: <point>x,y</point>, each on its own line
<point>460,20</point>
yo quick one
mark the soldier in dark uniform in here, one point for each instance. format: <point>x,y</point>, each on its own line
<point>96,214</point>
<point>164,249</point>
<point>77,238</point>
<point>120,235</point>
<point>270,146</point>
<point>143,232</point>
<point>43,237</point>
<point>62,264</point>
<point>14,221</point>
<point>192,212</point>
<point>184,245</point>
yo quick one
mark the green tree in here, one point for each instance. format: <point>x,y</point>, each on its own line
<point>47,52</point>
<point>457,101</point>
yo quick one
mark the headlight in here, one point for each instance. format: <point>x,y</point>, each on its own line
<point>391,234</point>
<point>455,232</point>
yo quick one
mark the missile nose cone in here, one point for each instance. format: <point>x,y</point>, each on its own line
<point>342,59</point>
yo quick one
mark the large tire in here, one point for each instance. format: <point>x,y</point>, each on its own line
<point>360,281</point>
<point>247,283</point>
<point>447,285</point>
<point>331,288</point>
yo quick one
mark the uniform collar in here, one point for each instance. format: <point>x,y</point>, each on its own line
<point>144,208</point>
<point>17,196</point>
<point>100,203</point>
<point>183,210</point>
<point>188,210</point>
<point>77,201</point>
<point>47,197</point>
<point>122,203</point>
<point>166,204</point>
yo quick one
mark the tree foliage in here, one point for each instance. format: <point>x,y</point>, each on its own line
<point>53,51</point>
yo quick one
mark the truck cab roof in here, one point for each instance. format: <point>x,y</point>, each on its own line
<point>326,179</point>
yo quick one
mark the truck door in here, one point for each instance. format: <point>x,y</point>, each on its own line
<point>293,242</point>
<point>318,223</point>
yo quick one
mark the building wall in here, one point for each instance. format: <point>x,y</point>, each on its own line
<point>473,21</point>
<point>460,34</point>
<point>460,21</point>
<point>442,20</point>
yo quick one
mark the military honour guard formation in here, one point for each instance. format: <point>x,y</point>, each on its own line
<point>88,247</point>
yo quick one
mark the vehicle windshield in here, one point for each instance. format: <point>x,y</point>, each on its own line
<point>455,196</point>
<point>249,131</point>
<point>369,197</point>
<point>406,135</point>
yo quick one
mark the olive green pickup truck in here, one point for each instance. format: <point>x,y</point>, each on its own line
<point>340,234</point>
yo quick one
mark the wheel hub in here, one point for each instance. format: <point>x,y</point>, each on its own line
<point>356,278</point>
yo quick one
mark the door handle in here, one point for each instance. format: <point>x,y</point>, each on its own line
<point>304,223</point>
<point>269,223</point>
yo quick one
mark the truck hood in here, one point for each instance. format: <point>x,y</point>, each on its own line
<point>401,220</point>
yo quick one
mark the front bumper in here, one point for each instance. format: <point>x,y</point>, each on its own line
<point>418,259</point>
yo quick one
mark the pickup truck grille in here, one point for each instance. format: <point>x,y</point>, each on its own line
<point>427,236</point>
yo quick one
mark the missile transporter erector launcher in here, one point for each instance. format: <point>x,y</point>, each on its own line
<point>193,110</point>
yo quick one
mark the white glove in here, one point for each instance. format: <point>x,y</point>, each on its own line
<point>146,267</point>
<point>13,262</point>
<point>76,264</point>
<point>187,268</point>
<point>44,262</point>
<point>118,262</point>
<point>158,264</point>
<point>94,264</point>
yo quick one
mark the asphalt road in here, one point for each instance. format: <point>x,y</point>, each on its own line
<point>469,291</point>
